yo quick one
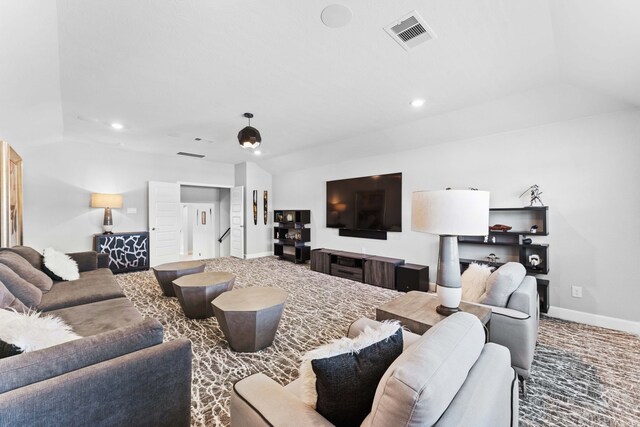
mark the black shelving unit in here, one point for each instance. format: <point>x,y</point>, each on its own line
<point>512,242</point>
<point>291,236</point>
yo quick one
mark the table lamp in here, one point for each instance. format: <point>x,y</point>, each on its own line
<point>450,213</point>
<point>106,201</point>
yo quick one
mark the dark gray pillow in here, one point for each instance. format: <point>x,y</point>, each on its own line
<point>7,350</point>
<point>28,294</point>
<point>346,383</point>
<point>24,269</point>
<point>8,300</point>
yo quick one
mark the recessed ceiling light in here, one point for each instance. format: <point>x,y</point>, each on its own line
<point>117,126</point>
<point>417,103</point>
<point>257,152</point>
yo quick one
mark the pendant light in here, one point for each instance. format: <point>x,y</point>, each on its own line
<point>249,137</point>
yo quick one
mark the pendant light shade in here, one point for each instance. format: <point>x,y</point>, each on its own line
<point>249,137</point>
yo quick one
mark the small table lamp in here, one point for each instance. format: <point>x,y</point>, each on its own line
<point>106,201</point>
<point>450,213</point>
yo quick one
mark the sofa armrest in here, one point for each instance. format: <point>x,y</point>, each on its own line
<point>28,368</point>
<point>149,387</point>
<point>525,298</point>
<point>259,401</point>
<point>87,260</point>
<point>519,335</point>
<point>103,260</point>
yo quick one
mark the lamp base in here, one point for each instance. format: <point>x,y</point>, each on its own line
<point>446,311</point>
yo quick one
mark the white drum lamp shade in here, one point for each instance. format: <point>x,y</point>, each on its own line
<point>450,213</point>
<point>106,201</point>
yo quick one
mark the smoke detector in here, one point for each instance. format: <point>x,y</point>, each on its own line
<point>410,31</point>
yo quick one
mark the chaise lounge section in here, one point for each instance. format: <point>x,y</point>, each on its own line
<point>120,373</point>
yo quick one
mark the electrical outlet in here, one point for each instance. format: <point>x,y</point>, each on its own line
<point>576,291</point>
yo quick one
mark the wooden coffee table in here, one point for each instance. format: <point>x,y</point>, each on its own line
<point>167,273</point>
<point>249,317</point>
<point>417,311</point>
<point>196,291</point>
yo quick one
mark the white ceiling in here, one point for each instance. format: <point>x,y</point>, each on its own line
<point>171,71</point>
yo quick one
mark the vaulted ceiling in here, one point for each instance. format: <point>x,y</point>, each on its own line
<point>173,71</point>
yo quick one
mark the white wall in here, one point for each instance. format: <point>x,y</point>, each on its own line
<point>588,169</point>
<point>258,237</point>
<point>59,179</point>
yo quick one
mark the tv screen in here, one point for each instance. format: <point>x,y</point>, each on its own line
<point>366,203</point>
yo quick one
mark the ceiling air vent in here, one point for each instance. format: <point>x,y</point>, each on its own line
<point>410,31</point>
<point>182,153</point>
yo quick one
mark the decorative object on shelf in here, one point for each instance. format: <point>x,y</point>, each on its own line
<point>534,229</point>
<point>534,194</point>
<point>255,207</point>
<point>492,258</point>
<point>249,137</point>
<point>10,196</point>
<point>527,241</point>
<point>500,227</point>
<point>450,213</point>
<point>265,198</point>
<point>298,236</point>
<point>534,261</point>
<point>278,216</point>
<point>289,217</point>
<point>108,202</point>
<point>493,239</point>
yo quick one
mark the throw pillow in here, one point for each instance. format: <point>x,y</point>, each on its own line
<point>34,257</point>
<point>31,331</point>
<point>502,283</point>
<point>24,269</point>
<point>28,294</point>
<point>474,281</point>
<point>8,300</point>
<point>61,265</point>
<point>339,379</point>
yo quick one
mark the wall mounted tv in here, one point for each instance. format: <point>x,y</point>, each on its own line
<point>365,207</point>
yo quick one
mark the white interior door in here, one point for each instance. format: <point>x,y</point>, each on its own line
<point>237,222</point>
<point>164,222</point>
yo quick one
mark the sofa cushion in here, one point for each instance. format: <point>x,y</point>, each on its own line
<point>102,316</point>
<point>8,300</point>
<point>59,265</point>
<point>24,269</point>
<point>29,368</point>
<point>419,386</point>
<point>96,285</point>
<point>28,253</point>
<point>33,331</point>
<point>28,294</point>
<point>474,280</point>
<point>346,383</point>
<point>502,283</point>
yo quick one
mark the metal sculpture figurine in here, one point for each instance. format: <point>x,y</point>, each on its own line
<point>534,194</point>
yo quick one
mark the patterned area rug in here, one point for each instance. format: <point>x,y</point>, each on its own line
<point>582,375</point>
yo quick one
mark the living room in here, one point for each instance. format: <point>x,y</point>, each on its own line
<point>515,94</point>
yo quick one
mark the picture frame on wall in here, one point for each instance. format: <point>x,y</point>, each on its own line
<point>10,196</point>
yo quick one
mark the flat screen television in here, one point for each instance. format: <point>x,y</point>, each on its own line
<point>366,203</point>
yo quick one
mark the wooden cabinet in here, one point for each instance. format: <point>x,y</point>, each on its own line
<point>127,251</point>
<point>516,244</point>
<point>321,261</point>
<point>291,235</point>
<point>381,271</point>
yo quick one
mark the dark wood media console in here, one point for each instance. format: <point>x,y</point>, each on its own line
<point>370,269</point>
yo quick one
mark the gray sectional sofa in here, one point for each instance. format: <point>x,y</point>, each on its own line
<point>120,373</point>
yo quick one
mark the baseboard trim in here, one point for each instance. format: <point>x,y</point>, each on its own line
<point>595,320</point>
<point>258,255</point>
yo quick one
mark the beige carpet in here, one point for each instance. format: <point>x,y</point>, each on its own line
<point>582,375</point>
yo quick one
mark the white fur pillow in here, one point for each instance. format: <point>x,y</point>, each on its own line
<point>61,264</point>
<point>474,280</point>
<point>31,331</point>
<point>368,337</point>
